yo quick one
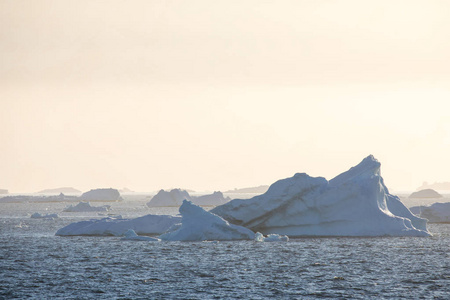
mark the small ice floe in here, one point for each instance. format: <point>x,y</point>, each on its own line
<point>131,235</point>
<point>21,225</point>
<point>86,207</point>
<point>259,237</point>
<point>47,216</point>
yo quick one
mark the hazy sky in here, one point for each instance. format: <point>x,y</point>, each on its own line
<point>213,95</point>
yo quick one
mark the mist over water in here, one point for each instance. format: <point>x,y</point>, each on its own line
<point>35,263</point>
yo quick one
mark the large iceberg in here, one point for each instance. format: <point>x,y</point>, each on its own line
<point>435,213</point>
<point>354,203</point>
<point>200,225</point>
<point>146,225</point>
<point>86,207</point>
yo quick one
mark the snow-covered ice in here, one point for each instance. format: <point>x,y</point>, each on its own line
<point>200,225</point>
<point>101,195</point>
<point>46,216</point>
<point>435,213</point>
<point>145,225</point>
<point>131,235</point>
<point>86,207</point>
<point>354,203</point>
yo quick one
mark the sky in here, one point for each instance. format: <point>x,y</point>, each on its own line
<point>216,95</point>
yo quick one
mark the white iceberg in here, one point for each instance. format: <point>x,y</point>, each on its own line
<point>146,225</point>
<point>173,198</point>
<point>41,216</point>
<point>131,235</point>
<point>354,203</point>
<point>435,213</point>
<point>86,207</point>
<point>101,195</point>
<point>200,225</point>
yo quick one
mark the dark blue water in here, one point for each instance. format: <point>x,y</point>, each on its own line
<point>36,264</point>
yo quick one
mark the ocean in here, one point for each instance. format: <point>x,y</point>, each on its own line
<point>34,263</point>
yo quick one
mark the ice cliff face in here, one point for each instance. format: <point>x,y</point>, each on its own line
<point>354,203</point>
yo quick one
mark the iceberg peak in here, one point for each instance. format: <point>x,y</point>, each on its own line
<point>354,203</point>
<point>367,168</point>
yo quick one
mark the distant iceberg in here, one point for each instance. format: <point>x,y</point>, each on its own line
<point>101,195</point>
<point>65,190</point>
<point>29,198</point>
<point>435,213</point>
<point>146,225</point>
<point>92,195</point>
<point>354,203</point>
<point>41,216</point>
<point>175,198</point>
<point>213,199</point>
<point>86,207</point>
<point>427,193</point>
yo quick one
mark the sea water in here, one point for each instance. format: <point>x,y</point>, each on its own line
<point>34,263</point>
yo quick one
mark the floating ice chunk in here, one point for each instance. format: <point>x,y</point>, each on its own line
<point>47,216</point>
<point>435,213</point>
<point>86,207</point>
<point>146,225</point>
<point>354,203</point>
<point>259,237</point>
<point>173,198</point>
<point>213,199</point>
<point>131,235</point>
<point>200,225</point>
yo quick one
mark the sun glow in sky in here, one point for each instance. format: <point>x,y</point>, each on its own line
<point>213,95</point>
